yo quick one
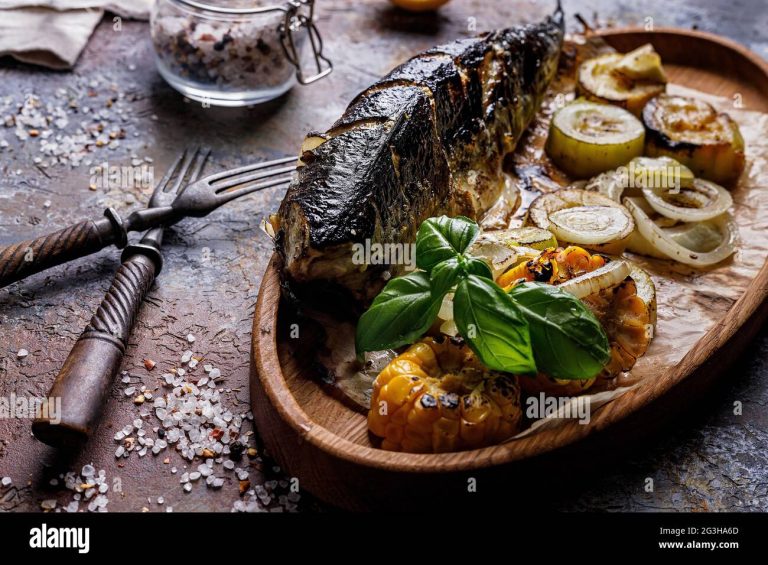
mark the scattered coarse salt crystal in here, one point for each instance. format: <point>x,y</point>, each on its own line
<point>205,470</point>
<point>214,373</point>
<point>88,471</point>
<point>120,451</point>
<point>217,483</point>
<point>174,470</point>
<point>22,353</point>
<point>129,391</point>
<point>187,487</point>
<point>190,338</point>
<point>229,465</point>
<point>181,372</point>
<point>186,356</point>
<point>160,500</point>
<point>207,368</point>
<point>6,481</point>
<point>194,475</point>
<point>126,379</point>
<point>193,363</point>
<point>48,504</point>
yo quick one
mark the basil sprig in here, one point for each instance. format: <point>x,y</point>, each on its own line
<point>534,327</point>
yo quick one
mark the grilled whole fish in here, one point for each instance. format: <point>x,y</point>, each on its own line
<point>427,139</point>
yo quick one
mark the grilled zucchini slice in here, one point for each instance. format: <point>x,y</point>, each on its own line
<point>586,138</point>
<point>628,81</point>
<point>691,131</point>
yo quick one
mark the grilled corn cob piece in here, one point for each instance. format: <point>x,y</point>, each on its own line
<point>437,397</point>
<point>627,314</point>
<point>628,320</point>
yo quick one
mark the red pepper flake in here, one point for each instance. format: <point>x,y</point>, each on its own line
<point>217,433</point>
<point>244,486</point>
<point>34,133</point>
<point>149,364</point>
<point>207,37</point>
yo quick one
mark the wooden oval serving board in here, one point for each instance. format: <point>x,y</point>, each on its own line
<point>324,443</point>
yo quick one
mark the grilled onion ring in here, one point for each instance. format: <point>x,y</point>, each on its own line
<point>713,200</point>
<point>665,242</point>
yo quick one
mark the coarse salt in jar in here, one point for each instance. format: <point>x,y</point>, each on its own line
<point>236,52</point>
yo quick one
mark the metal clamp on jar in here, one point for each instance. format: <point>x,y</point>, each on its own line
<point>237,52</point>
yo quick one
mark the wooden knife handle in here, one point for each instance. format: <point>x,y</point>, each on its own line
<point>81,387</point>
<point>29,257</point>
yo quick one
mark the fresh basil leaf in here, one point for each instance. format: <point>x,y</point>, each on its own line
<point>475,266</point>
<point>444,276</point>
<point>493,326</point>
<point>441,238</point>
<point>568,340</point>
<point>399,315</point>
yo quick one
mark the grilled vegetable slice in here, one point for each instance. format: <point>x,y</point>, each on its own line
<point>702,247</point>
<point>584,218</point>
<point>502,254</point>
<point>586,138</point>
<point>659,172</point>
<point>656,172</point>
<point>642,64</point>
<point>703,201</point>
<point>695,134</point>
<point>646,290</point>
<point>607,276</point>
<point>628,81</point>
<point>528,237</point>
<point>553,266</point>
<point>437,397</point>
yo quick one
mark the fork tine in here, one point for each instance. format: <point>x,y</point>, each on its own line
<point>219,187</point>
<point>250,168</point>
<point>189,158</point>
<point>195,174</point>
<point>160,187</point>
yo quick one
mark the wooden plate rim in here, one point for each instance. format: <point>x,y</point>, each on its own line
<point>269,372</point>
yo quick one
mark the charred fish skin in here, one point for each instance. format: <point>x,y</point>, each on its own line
<point>427,139</point>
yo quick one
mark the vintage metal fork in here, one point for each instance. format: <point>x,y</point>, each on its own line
<point>81,386</point>
<point>197,199</point>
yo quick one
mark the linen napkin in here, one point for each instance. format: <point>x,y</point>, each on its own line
<point>53,33</point>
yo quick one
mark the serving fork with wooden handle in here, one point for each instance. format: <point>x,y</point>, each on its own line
<point>84,380</point>
<point>198,199</point>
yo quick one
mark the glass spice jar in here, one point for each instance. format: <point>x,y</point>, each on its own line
<point>235,52</point>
